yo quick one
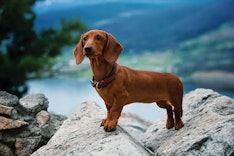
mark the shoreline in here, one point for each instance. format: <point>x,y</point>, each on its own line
<point>213,79</point>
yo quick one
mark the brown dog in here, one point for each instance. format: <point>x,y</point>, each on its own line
<point>119,85</point>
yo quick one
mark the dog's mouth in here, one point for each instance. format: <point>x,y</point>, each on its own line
<point>91,54</point>
<point>88,54</point>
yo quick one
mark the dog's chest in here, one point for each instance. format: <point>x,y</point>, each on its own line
<point>106,95</point>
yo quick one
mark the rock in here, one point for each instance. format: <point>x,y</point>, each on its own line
<point>8,99</point>
<point>5,150</point>
<point>81,134</point>
<point>208,130</point>
<point>6,123</point>
<point>23,129</point>
<point>49,129</point>
<point>5,110</point>
<point>133,124</point>
<point>34,103</point>
<point>42,118</point>
<point>26,146</point>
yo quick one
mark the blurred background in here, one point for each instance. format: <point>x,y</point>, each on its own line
<point>192,39</point>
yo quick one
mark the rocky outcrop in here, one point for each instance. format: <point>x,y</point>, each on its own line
<point>208,130</point>
<point>25,125</point>
<point>81,134</point>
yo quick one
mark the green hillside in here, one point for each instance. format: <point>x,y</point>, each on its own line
<point>209,52</point>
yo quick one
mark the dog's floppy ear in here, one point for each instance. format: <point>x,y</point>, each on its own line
<point>78,52</point>
<point>112,50</point>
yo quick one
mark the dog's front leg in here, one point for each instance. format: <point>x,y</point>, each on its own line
<point>113,114</point>
<point>108,107</point>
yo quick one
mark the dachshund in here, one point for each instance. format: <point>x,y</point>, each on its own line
<point>119,85</point>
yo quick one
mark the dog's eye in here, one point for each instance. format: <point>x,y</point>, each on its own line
<point>85,39</point>
<point>99,38</point>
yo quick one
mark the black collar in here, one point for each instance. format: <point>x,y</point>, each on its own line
<point>103,83</point>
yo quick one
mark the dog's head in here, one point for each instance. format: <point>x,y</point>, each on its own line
<point>97,43</point>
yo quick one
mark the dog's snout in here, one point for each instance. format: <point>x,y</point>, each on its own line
<point>88,49</point>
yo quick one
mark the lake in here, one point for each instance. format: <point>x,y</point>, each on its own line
<point>66,94</point>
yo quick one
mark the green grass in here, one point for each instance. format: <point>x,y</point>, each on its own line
<point>160,62</point>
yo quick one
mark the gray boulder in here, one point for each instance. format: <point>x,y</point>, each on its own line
<point>25,125</point>
<point>208,130</point>
<point>33,103</point>
<point>81,134</point>
<point>133,124</point>
<point>8,99</point>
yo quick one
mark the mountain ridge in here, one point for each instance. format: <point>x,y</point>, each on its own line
<point>164,24</point>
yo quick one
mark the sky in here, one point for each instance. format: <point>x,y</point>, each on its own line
<point>42,6</point>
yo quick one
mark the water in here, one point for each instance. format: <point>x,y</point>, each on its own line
<point>65,95</point>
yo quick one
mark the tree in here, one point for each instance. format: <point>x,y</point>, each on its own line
<point>24,51</point>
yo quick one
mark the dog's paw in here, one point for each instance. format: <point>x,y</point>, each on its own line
<point>109,126</point>
<point>179,125</point>
<point>103,122</point>
<point>170,123</point>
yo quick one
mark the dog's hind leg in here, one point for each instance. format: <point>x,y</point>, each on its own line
<point>170,119</point>
<point>178,114</point>
<point>178,111</point>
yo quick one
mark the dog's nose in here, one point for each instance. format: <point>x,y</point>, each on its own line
<point>88,49</point>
